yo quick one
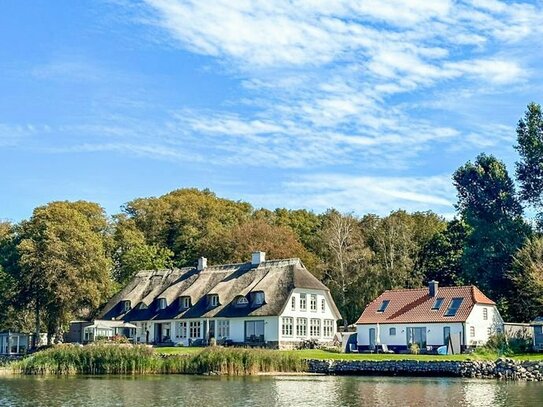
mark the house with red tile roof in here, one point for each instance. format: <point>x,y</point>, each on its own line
<point>428,317</point>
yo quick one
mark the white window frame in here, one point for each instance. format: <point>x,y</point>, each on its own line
<point>315,327</point>
<point>323,305</point>
<point>293,303</point>
<point>301,327</point>
<point>181,329</point>
<point>223,328</point>
<point>185,302</point>
<point>485,314</point>
<point>328,328</point>
<point>303,302</point>
<point>313,303</point>
<point>195,329</point>
<point>214,300</point>
<point>287,324</point>
<point>472,331</point>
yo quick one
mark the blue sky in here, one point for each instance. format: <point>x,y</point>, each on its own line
<point>366,106</point>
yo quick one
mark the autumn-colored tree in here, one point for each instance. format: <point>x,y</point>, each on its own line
<point>186,221</point>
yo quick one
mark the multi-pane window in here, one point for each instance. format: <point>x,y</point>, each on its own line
<point>485,314</point>
<point>313,303</point>
<point>328,328</point>
<point>223,328</point>
<point>287,326</point>
<point>489,331</point>
<point>126,306</point>
<point>453,307</point>
<point>293,303</point>
<point>392,331</point>
<point>213,300</point>
<point>472,331</point>
<point>161,303</point>
<point>195,329</point>
<point>181,330</point>
<point>303,302</point>
<point>437,304</point>
<point>323,305</point>
<point>258,298</point>
<point>315,327</point>
<point>185,302</point>
<point>383,306</point>
<point>301,326</point>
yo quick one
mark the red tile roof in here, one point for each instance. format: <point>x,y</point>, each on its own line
<point>415,305</point>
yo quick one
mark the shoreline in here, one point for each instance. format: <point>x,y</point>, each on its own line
<point>501,369</point>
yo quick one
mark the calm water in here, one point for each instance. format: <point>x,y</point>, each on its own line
<point>264,391</point>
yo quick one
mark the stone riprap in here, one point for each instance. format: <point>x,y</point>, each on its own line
<point>503,368</point>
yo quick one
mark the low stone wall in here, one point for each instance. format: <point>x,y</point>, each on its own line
<point>503,368</point>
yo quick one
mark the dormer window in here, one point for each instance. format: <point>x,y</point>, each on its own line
<point>383,306</point>
<point>213,300</point>
<point>258,298</point>
<point>126,306</point>
<point>241,301</point>
<point>437,304</point>
<point>184,302</point>
<point>161,303</point>
<point>453,307</point>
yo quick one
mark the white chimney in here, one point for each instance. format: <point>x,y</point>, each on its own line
<point>202,264</point>
<point>257,258</point>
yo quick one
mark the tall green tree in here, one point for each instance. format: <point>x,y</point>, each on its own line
<point>63,263</point>
<point>186,221</point>
<point>526,276</point>
<point>131,252</point>
<point>441,257</point>
<point>529,169</point>
<point>488,204</point>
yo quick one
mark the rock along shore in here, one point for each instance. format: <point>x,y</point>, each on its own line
<point>503,368</point>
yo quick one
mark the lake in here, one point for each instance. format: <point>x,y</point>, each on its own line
<point>179,390</point>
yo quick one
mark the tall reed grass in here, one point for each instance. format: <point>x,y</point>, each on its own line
<point>138,359</point>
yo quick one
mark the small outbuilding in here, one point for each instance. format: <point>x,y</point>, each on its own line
<point>537,325</point>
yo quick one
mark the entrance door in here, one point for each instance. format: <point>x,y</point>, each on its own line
<point>417,335</point>
<point>158,333</point>
<point>372,338</point>
<point>446,334</point>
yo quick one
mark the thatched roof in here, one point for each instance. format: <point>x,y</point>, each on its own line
<point>275,278</point>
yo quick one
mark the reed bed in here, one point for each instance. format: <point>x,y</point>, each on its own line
<point>138,359</point>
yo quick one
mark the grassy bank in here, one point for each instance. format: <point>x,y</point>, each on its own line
<point>115,359</point>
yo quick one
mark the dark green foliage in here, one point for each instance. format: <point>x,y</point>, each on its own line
<point>526,276</point>
<point>488,205</point>
<point>529,168</point>
<point>441,257</point>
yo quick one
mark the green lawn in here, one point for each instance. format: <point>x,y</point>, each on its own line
<point>321,354</point>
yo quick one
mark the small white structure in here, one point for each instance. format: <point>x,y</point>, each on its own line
<point>273,303</point>
<point>428,317</point>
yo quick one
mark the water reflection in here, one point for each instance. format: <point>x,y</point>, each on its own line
<point>264,391</point>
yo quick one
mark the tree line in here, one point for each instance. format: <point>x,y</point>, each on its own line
<point>68,258</point>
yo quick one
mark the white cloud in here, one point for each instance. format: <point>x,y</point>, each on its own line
<point>363,194</point>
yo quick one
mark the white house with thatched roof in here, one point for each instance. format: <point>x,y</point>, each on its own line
<point>274,303</point>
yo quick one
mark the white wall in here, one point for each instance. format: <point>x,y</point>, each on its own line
<point>298,313</point>
<point>434,333</point>
<point>483,328</point>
